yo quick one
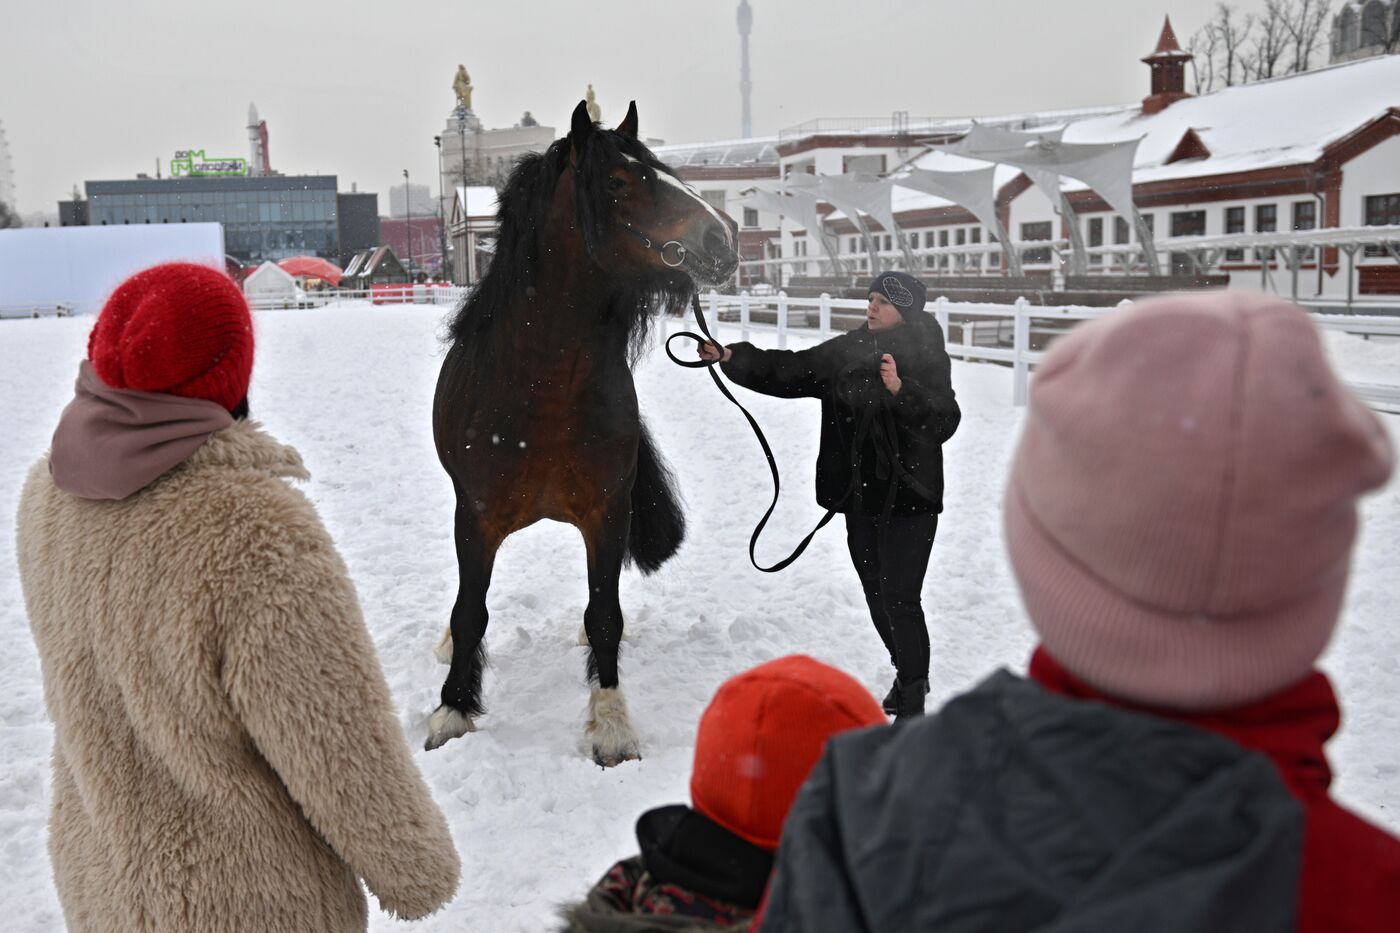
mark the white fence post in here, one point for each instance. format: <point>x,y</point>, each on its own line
<point>940,314</point>
<point>712,313</point>
<point>1021,370</point>
<point>782,320</point>
<point>744,315</point>
<point>824,316</point>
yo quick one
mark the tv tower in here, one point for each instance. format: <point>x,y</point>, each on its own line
<point>745,85</point>
<point>7,179</point>
<point>259,162</point>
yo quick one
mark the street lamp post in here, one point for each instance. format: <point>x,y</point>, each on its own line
<point>443,270</point>
<point>408,225</point>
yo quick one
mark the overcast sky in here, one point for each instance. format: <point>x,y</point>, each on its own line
<point>92,89</point>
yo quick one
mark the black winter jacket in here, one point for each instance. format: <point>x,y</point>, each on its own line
<point>1016,809</point>
<point>692,875</point>
<point>908,429</point>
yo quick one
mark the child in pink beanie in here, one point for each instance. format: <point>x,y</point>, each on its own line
<point>1180,519</point>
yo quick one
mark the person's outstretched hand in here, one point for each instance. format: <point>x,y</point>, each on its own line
<point>710,352</point>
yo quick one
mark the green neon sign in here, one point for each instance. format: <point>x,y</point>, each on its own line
<point>192,163</point>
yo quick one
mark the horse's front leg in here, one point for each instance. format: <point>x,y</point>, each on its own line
<point>609,730</point>
<point>461,691</point>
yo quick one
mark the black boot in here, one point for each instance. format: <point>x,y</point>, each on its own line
<point>909,702</point>
<point>890,704</point>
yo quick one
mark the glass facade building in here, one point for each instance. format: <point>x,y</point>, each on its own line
<point>264,218</point>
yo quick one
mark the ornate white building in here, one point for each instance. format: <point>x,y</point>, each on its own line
<point>1362,28</point>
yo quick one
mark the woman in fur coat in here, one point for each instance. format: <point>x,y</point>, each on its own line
<point>225,753</point>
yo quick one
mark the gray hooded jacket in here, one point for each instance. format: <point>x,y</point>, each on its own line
<point>1015,809</point>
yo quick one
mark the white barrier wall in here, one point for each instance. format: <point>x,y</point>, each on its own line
<point>42,267</point>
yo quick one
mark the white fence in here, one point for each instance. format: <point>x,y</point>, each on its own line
<point>392,295</point>
<point>724,313</point>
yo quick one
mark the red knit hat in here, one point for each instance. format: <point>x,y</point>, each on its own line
<point>180,329</point>
<point>761,735</point>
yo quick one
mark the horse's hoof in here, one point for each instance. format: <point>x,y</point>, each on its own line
<point>605,760</point>
<point>609,728</point>
<point>443,651</point>
<point>446,723</point>
<point>583,635</point>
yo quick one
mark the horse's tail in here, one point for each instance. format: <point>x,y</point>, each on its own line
<point>658,524</point>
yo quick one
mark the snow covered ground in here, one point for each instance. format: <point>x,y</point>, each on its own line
<point>536,822</point>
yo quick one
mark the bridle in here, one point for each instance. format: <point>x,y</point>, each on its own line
<point>680,251</point>
<point>674,246</point>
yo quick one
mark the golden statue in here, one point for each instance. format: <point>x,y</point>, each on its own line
<point>462,87</point>
<point>595,113</point>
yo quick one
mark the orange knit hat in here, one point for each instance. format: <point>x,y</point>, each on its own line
<point>761,735</point>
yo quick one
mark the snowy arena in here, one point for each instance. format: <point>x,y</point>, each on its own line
<point>351,385</point>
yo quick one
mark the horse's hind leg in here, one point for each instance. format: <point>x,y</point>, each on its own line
<point>609,729</point>
<point>461,691</point>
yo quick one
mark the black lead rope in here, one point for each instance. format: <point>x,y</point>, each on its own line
<point>859,439</point>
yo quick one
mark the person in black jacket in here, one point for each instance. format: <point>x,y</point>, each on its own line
<point>887,409</point>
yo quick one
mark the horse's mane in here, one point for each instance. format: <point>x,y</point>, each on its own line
<point>521,218</point>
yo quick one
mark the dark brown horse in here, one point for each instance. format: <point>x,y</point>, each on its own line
<point>536,414</point>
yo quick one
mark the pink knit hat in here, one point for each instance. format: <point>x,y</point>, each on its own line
<point>1182,504</point>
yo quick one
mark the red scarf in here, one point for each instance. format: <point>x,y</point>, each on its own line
<point>1350,868</point>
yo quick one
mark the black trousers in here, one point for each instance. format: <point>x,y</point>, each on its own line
<point>891,556</point>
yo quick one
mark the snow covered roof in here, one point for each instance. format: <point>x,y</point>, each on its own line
<point>269,279</point>
<point>1282,121</point>
<point>1278,122</point>
<point>477,200</point>
<point>759,150</point>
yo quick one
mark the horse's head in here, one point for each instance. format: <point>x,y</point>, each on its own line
<point>637,217</point>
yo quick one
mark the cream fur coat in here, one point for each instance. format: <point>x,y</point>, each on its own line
<point>225,753</point>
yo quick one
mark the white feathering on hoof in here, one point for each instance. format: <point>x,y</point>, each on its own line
<point>443,651</point>
<point>609,729</point>
<point>583,635</point>
<point>446,723</point>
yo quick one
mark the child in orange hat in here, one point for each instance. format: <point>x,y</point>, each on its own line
<point>756,742</point>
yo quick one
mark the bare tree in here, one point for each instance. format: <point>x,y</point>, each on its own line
<point>9,217</point>
<point>1268,41</point>
<point>1305,21</point>
<point>1232,34</point>
<point>1203,47</point>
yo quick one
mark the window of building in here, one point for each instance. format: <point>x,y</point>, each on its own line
<point>1120,231</point>
<point>1265,221</point>
<point>1188,223</point>
<point>1234,223</point>
<point>960,236</point>
<point>975,235</point>
<point>1095,239</point>
<point>1305,218</point>
<point>1381,210</point>
<point>942,237</point>
<point>1040,230</point>
<point>1373,23</point>
<point>872,164</point>
<point>928,239</point>
<point>750,217</point>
